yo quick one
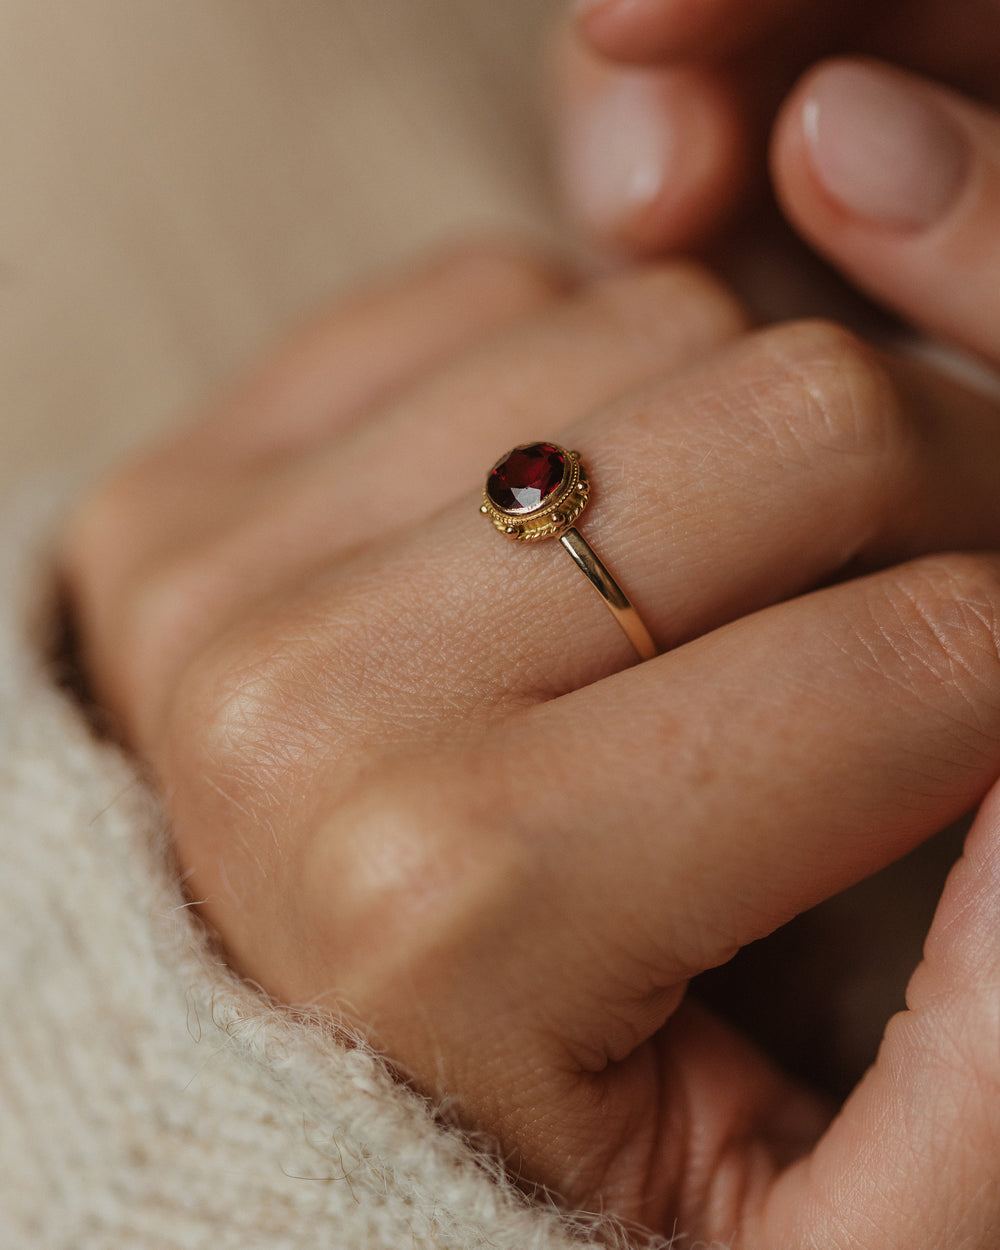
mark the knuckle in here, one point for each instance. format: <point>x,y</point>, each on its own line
<point>239,756</point>
<point>393,869</point>
<point>406,882</point>
<point>118,614</point>
<point>502,273</point>
<point>248,711</point>
<point>680,298</point>
<point>93,533</point>
<point>943,612</point>
<point>160,603</point>
<point>165,609</point>
<point>297,684</point>
<point>842,397</point>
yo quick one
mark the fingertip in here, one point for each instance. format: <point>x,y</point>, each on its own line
<point>876,143</point>
<point>640,32</point>
<point>796,187</point>
<point>896,180</point>
<point>648,32</point>
<point>649,161</point>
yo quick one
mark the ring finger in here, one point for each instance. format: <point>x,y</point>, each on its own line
<point>154,587</point>
<point>786,459</point>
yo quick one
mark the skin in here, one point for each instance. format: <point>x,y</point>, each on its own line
<point>347,796</point>
<point>716,74</point>
<point>677,48</point>
<point>503,858</point>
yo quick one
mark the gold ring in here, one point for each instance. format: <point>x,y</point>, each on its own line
<point>539,490</point>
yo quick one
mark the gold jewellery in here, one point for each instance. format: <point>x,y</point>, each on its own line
<point>538,490</point>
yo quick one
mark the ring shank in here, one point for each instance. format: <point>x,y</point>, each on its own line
<point>618,604</point>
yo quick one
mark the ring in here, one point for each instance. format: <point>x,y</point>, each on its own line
<point>539,490</point>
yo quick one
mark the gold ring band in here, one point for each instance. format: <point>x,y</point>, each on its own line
<point>538,490</point>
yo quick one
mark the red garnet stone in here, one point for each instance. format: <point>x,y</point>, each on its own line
<point>526,478</point>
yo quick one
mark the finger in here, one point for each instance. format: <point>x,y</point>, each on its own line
<point>955,43</point>
<point>648,31</point>
<point>917,1144</point>
<point>360,354</point>
<point>146,600</point>
<point>370,346</point>
<point>650,160</point>
<point>801,748</point>
<point>897,181</point>
<point>807,454</point>
<point>798,452</point>
<point>597,850</point>
<point>801,455</point>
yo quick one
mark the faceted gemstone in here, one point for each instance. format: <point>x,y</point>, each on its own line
<point>524,480</point>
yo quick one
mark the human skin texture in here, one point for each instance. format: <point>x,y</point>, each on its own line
<point>666,108</point>
<point>416,778</point>
<point>414,774</point>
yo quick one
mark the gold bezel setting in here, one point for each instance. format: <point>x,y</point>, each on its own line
<point>558,511</point>
<point>538,490</point>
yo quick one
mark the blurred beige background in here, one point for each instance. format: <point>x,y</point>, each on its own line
<point>181,178</point>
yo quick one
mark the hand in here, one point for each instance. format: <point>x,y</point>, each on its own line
<point>414,776</point>
<point>892,178</point>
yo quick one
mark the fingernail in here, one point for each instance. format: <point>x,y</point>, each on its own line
<point>882,145</point>
<point>617,150</point>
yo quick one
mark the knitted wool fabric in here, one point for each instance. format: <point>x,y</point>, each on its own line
<point>148,1099</point>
